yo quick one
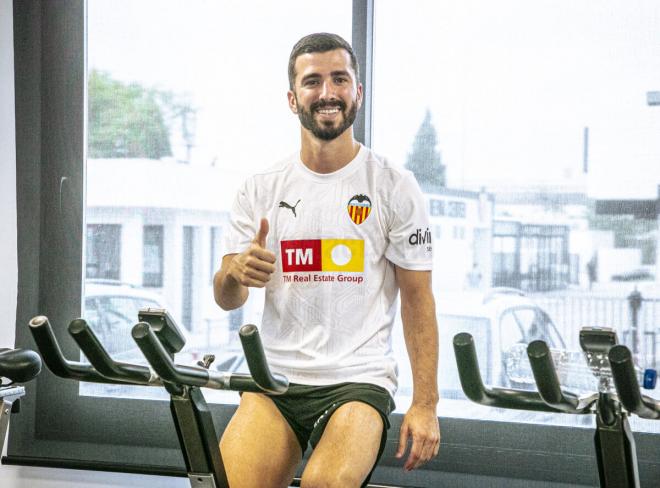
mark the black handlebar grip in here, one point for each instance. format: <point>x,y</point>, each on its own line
<point>160,360</point>
<point>468,368</point>
<point>19,365</point>
<point>547,381</point>
<point>468,372</point>
<point>625,381</point>
<point>43,335</point>
<point>101,360</point>
<point>257,364</point>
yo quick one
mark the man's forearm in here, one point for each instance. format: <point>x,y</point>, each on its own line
<point>228,292</point>
<point>421,335</point>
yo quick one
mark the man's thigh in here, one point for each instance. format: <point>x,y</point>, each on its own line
<point>348,449</point>
<point>258,447</point>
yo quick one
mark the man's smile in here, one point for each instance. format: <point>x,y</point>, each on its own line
<point>328,110</point>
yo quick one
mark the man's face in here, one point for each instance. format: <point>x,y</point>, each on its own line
<point>326,95</point>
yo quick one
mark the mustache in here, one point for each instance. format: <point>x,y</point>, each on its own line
<point>321,104</point>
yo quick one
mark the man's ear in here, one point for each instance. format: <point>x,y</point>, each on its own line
<point>293,103</point>
<point>360,94</point>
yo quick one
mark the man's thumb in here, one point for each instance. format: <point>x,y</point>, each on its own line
<point>262,233</point>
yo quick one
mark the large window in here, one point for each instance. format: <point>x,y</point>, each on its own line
<point>172,131</point>
<point>541,107</point>
<point>519,118</point>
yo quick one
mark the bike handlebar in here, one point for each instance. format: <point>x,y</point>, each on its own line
<point>104,369</point>
<point>547,381</point>
<point>43,335</point>
<point>261,381</point>
<point>625,381</point>
<point>101,361</point>
<point>157,356</point>
<point>257,364</point>
<point>472,384</point>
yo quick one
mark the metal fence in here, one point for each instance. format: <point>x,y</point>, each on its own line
<point>635,318</point>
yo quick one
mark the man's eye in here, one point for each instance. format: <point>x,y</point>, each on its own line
<point>311,83</point>
<point>341,80</point>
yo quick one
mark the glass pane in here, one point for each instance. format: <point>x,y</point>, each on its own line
<point>185,100</point>
<point>530,126</point>
<point>103,247</point>
<point>152,257</point>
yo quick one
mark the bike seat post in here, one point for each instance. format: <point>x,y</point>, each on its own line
<point>9,398</point>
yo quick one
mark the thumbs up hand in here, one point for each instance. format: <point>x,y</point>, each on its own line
<point>254,266</point>
<point>262,233</point>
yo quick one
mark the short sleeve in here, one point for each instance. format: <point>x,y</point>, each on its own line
<point>410,245</point>
<point>242,223</point>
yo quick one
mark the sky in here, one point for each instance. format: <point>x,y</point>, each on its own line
<point>511,84</point>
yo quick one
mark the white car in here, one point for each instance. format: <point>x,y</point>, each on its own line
<point>499,319</point>
<point>111,309</point>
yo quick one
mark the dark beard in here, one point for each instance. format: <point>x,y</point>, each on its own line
<point>323,132</point>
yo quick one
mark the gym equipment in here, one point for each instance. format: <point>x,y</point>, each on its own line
<point>159,338</point>
<point>618,396</point>
<point>18,366</point>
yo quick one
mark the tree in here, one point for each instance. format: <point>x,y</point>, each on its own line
<point>425,160</point>
<point>125,120</point>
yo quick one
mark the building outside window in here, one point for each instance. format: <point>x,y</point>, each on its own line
<point>152,260</point>
<point>103,252</point>
<point>216,247</point>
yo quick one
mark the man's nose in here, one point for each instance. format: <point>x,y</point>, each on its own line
<point>327,90</point>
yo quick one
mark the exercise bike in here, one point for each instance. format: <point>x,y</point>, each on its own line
<point>17,366</point>
<point>159,338</point>
<point>618,396</point>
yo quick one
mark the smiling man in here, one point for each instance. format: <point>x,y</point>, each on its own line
<point>327,233</point>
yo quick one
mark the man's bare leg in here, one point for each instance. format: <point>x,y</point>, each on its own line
<point>347,450</point>
<point>259,448</point>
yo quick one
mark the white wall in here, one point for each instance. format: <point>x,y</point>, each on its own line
<point>8,261</point>
<point>17,476</point>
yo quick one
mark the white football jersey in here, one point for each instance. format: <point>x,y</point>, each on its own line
<point>330,305</point>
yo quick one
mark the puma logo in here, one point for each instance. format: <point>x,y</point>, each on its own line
<point>283,204</point>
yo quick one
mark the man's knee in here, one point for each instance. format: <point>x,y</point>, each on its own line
<point>324,477</point>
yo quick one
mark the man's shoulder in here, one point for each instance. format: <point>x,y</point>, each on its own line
<point>385,167</point>
<point>280,166</point>
<point>275,170</point>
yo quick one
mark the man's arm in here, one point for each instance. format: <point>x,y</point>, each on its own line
<point>228,292</point>
<point>420,330</point>
<point>251,268</point>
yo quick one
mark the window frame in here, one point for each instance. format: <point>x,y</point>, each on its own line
<point>50,77</point>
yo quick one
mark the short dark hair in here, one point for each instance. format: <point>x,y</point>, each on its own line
<point>320,42</point>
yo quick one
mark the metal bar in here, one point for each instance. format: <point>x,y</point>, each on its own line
<point>101,360</point>
<point>43,335</point>
<point>615,450</point>
<point>547,381</point>
<point>625,381</point>
<point>256,360</point>
<point>362,42</point>
<point>8,396</point>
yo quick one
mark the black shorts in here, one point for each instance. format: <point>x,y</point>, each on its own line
<point>307,409</point>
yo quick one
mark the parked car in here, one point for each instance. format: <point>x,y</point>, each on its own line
<point>111,309</point>
<point>500,320</point>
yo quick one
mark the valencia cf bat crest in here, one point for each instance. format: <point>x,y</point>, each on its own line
<point>359,208</point>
